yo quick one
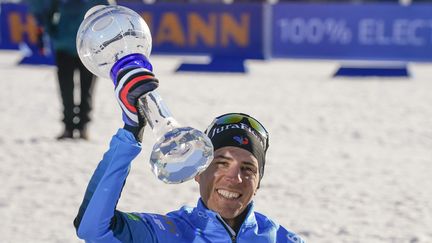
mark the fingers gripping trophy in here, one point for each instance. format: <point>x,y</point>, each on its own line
<point>115,42</point>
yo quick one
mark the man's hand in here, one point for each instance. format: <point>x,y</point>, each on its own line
<point>131,84</point>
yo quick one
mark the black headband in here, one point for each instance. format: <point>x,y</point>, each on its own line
<point>241,136</point>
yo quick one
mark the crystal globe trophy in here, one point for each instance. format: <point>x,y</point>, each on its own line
<point>111,37</point>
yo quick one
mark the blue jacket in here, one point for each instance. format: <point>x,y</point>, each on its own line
<point>99,221</point>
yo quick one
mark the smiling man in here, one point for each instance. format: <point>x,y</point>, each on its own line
<point>225,211</point>
<point>229,183</point>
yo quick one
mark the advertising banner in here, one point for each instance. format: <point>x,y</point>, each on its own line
<point>361,32</point>
<point>233,30</point>
<point>17,26</point>
<point>19,31</point>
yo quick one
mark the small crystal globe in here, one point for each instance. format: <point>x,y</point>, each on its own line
<point>109,33</point>
<point>111,36</point>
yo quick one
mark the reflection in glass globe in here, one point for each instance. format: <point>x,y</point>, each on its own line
<point>113,37</point>
<point>109,33</point>
<point>180,153</point>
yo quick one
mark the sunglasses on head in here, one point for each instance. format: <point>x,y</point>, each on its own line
<point>233,118</point>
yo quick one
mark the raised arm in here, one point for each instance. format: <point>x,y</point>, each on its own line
<point>97,219</point>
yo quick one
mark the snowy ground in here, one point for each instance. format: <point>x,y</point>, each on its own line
<point>350,160</point>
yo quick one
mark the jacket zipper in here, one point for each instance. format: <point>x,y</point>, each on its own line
<point>230,231</point>
<point>233,239</point>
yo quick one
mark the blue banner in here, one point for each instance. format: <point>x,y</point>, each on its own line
<point>239,31</point>
<point>17,26</point>
<point>234,30</point>
<point>361,32</point>
<point>19,30</point>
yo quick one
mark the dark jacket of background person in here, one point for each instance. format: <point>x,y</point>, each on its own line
<point>61,19</point>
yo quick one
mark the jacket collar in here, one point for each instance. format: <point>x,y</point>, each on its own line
<point>211,220</point>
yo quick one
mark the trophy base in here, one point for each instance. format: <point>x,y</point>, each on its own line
<point>181,154</point>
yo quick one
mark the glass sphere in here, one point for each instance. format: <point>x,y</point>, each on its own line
<point>109,33</point>
<point>181,154</point>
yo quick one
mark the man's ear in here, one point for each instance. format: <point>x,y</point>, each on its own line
<point>258,187</point>
<point>197,178</point>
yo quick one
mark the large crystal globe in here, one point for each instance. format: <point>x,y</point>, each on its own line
<point>109,33</point>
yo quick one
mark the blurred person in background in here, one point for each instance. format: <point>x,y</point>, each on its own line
<point>60,19</point>
<point>225,210</point>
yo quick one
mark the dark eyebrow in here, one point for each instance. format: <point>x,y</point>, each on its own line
<point>222,157</point>
<point>250,163</point>
<point>247,162</point>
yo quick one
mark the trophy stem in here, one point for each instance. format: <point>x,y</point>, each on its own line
<point>157,114</point>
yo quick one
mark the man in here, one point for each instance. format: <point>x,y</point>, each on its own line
<point>225,211</point>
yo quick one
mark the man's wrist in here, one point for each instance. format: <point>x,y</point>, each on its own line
<point>137,131</point>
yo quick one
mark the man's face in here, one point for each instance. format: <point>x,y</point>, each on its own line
<point>229,183</point>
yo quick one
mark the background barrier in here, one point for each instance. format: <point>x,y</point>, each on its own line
<point>360,32</point>
<point>19,31</point>
<point>229,34</point>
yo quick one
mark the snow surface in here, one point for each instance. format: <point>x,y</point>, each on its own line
<point>350,159</point>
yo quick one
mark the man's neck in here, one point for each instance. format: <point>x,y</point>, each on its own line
<point>237,222</point>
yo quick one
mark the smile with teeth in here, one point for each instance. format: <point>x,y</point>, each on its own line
<point>228,194</point>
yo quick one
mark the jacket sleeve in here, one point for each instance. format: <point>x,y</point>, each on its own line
<point>287,236</point>
<point>97,219</point>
